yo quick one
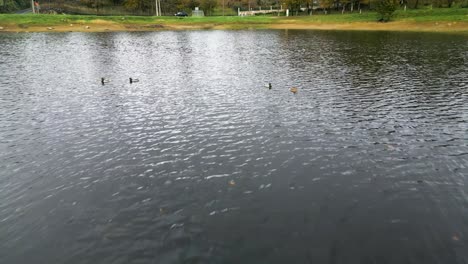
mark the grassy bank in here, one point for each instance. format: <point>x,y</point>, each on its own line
<point>438,20</point>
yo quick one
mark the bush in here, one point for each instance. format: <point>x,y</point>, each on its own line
<point>385,8</point>
<point>11,6</point>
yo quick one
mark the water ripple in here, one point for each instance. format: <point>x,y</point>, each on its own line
<point>200,163</point>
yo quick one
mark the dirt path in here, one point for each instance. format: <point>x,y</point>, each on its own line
<point>108,26</point>
<point>375,26</point>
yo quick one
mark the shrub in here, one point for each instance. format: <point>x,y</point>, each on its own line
<point>385,8</point>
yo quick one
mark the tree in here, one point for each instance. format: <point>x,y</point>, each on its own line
<point>294,5</point>
<point>138,6</point>
<point>12,5</point>
<point>131,4</point>
<point>208,5</point>
<point>326,4</point>
<point>186,5</point>
<point>385,8</point>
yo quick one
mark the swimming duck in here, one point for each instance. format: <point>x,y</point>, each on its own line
<point>268,86</point>
<point>133,80</point>
<point>293,90</point>
<point>104,80</point>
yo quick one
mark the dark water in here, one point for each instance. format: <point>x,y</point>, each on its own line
<point>200,163</point>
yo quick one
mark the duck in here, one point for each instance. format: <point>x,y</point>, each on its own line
<point>104,80</point>
<point>133,80</point>
<point>268,86</point>
<point>293,90</point>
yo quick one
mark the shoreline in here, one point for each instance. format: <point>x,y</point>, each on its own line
<point>396,26</point>
<point>103,24</point>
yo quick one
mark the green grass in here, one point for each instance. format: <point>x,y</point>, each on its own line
<point>436,14</point>
<point>419,15</point>
<point>32,20</point>
<point>422,15</point>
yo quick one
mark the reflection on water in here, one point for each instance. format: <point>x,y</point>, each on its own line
<point>200,163</point>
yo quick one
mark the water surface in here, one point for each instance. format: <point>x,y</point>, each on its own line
<point>200,163</point>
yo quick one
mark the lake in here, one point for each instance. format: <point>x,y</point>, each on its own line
<point>199,162</point>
